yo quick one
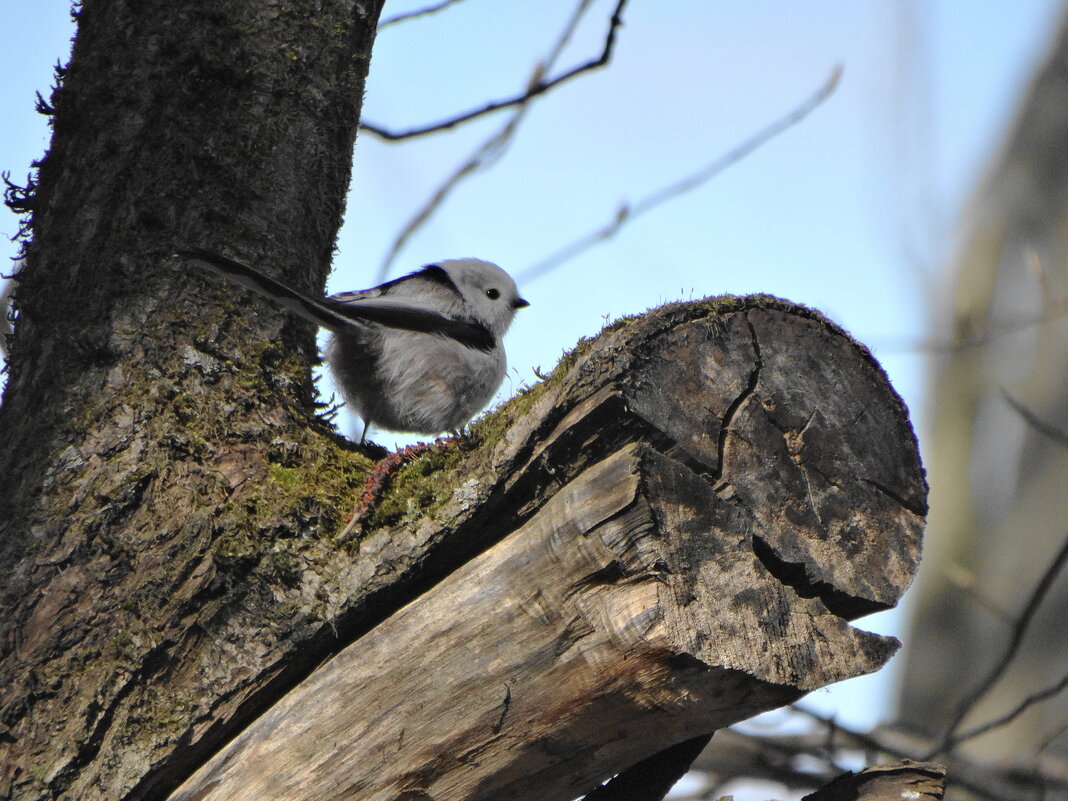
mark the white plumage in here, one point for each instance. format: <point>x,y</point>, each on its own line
<point>422,353</point>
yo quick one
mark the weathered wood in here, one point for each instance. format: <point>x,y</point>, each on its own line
<point>915,781</point>
<point>599,620</point>
<point>642,594</point>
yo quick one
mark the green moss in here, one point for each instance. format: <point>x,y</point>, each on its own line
<point>286,477</point>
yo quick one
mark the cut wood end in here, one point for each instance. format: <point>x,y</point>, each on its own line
<point>780,411</point>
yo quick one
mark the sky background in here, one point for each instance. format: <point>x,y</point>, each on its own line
<point>852,211</point>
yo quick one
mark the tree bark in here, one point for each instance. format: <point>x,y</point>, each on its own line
<point>152,428</point>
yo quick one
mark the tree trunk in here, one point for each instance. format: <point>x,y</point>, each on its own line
<point>677,524</point>
<point>152,428</point>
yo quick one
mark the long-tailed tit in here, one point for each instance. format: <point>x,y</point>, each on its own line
<point>422,353</point>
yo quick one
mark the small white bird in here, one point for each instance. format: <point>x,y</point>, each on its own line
<point>422,353</point>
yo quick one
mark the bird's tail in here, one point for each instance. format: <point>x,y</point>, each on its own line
<point>285,296</point>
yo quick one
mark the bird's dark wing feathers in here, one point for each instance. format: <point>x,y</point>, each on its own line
<point>409,318</point>
<point>338,315</point>
<point>431,272</point>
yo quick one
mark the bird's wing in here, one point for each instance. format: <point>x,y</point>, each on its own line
<point>410,317</point>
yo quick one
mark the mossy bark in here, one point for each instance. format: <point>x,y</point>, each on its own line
<point>155,436</point>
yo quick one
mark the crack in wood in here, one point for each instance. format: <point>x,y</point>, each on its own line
<point>796,576</point>
<point>505,705</point>
<point>736,404</point>
<point>918,510</point>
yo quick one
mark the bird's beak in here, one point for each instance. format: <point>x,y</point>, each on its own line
<point>519,303</point>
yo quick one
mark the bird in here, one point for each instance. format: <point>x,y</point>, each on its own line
<point>422,353</point>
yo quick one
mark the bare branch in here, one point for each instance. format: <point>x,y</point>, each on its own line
<point>540,87</point>
<point>1011,715</point>
<point>1041,426</point>
<point>486,154</point>
<point>992,331</point>
<point>809,758</point>
<point>968,583</point>
<point>1038,595</point>
<point>419,12</point>
<point>626,214</point>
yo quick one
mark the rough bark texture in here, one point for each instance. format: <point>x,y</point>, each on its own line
<point>713,389</point>
<point>915,781</point>
<point>642,595</point>
<point>151,427</point>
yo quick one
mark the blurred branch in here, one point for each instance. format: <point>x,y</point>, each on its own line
<point>968,583</point>
<point>1041,426</point>
<point>992,331</point>
<point>534,89</point>
<point>489,151</point>
<point>806,760</point>
<point>908,779</point>
<point>627,214</point>
<point>1038,595</point>
<point>1057,732</point>
<point>1008,717</point>
<point>652,778</point>
<point>486,154</point>
<point>419,12</point>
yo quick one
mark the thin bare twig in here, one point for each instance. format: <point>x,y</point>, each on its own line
<point>1051,737</point>
<point>812,757</point>
<point>993,331</point>
<point>968,583</point>
<point>1041,426</point>
<point>980,777</point>
<point>1011,715</point>
<point>488,152</point>
<point>540,87</point>
<point>628,213</point>
<point>1038,595</point>
<point>419,12</point>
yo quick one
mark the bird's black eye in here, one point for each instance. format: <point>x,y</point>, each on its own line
<point>493,294</point>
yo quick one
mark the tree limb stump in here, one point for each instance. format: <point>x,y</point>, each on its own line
<point>916,781</point>
<point>685,516</point>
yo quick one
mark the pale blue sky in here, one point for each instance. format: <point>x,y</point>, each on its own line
<point>852,211</point>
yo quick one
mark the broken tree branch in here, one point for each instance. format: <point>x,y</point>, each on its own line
<point>668,535</point>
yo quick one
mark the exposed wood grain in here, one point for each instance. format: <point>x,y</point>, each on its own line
<point>642,594</point>
<point>598,631</point>
<point>904,781</point>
